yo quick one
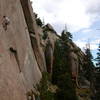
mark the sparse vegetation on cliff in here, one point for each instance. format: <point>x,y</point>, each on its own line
<point>38,20</point>
<point>66,36</point>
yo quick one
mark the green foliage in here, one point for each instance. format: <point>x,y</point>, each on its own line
<point>43,87</point>
<point>97,86</point>
<point>62,74</point>
<point>38,20</point>
<point>88,66</point>
<point>66,36</point>
<point>88,54</point>
<point>98,57</point>
<point>67,89</point>
<point>47,29</point>
<point>60,61</point>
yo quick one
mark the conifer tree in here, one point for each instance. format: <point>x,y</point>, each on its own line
<point>88,54</point>
<point>97,86</point>
<point>66,36</point>
<point>62,73</point>
<point>89,66</point>
<point>98,57</point>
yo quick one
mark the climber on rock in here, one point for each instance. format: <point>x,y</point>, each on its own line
<point>5,22</point>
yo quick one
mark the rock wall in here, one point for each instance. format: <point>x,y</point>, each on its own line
<point>19,70</point>
<point>33,29</point>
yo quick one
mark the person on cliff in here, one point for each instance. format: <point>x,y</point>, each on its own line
<point>5,22</point>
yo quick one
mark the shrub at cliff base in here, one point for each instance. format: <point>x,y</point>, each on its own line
<point>43,87</point>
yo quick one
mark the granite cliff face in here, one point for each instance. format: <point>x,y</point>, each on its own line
<point>20,70</point>
<point>27,50</point>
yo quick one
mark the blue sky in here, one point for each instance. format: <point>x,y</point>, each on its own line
<point>82,18</point>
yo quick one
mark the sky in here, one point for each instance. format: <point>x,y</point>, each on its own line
<point>82,18</point>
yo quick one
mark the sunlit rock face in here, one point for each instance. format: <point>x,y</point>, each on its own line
<point>19,69</point>
<point>33,29</point>
<point>49,49</point>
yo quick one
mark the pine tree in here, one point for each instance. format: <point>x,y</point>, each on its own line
<point>62,73</point>
<point>89,66</point>
<point>88,54</point>
<point>97,83</point>
<point>98,57</point>
<point>66,36</point>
